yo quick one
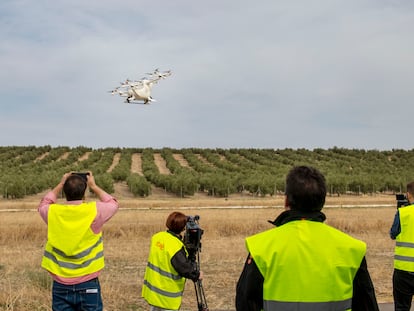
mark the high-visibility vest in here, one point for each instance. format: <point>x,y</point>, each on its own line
<point>306,265</point>
<point>404,246</point>
<point>72,248</point>
<point>163,287</point>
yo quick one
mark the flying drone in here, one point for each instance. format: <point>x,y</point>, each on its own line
<point>139,92</point>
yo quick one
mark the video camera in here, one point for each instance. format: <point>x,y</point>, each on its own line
<point>401,200</point>
<point>192,242</point>
<point>192,236</point>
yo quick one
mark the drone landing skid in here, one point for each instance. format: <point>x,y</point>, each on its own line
<point>137,102</point>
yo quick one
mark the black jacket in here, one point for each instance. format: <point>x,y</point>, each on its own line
<point>249,290</point>
<point>182,264</point>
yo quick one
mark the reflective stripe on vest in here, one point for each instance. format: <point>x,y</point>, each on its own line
<point>162,292</point>
<point>308,306</point>
<point>163,287</point>
<point>164,273</point>
<point>306,265</point>
<point>404,246</point>
<point>72,249</point>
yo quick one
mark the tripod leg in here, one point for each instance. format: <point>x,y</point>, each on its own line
<point>201,298</point>
<point>197,296</point>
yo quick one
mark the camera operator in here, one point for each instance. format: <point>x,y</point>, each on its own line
<point>168,266</point>
<point>402,231</point>
<point>74,249</point>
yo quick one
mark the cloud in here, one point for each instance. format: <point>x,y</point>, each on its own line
<point>272,74</point>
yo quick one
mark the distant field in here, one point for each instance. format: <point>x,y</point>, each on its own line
<point>25,286</point>
<point>29,170</point>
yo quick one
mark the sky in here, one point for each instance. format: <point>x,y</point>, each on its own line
<point>245,74</point>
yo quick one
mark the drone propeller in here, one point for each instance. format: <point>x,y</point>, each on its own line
<point>156,70</point>
<point>130,83</point>
<point>164,74</point>
<point>157,73</point>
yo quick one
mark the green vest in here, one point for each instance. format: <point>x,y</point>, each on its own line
<point>72,248</point>
<point>306,265</point>
<point>163,287</point>
<point>404,246</point>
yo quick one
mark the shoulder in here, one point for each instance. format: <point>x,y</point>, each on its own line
<point>342,237</point>
<point>259,238</point>
<point>409,209</point>
<point>262,234</point>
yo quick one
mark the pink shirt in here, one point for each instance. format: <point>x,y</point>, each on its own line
<point>106,208</point>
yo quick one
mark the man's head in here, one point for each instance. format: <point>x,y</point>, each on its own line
<point>410,192</point>
<point>176,222</point>
<point>74,187</point>
<point>305,189</point>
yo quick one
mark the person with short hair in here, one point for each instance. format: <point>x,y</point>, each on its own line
<point>402,230</point>
<point>74,250</point>
<point>168,266</point>
<point>302,263</point>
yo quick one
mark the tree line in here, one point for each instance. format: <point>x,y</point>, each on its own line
<point>27,170</point>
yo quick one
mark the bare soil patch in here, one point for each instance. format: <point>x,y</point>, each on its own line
<point>115,162</point>
<point>204,160</point>
<point>44,155</point>
<point>136,164</point>
<point>64,156</point>
<point>85,156</point>
<point>161,164</point>
<point>180,159</point>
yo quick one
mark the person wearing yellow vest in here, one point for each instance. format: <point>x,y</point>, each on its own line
<point>303,264</point>
<point>74,250</point>
<point>402,231</point>
<point>168,267</point>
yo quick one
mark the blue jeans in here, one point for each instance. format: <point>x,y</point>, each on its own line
<point>80,297</point>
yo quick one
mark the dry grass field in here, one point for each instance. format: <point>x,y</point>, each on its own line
<point>25,286</point>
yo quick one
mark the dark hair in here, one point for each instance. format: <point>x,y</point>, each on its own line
<point>410,188</point>
<point>305,189</point>
<point>74,188</point>
<point>176,222</point>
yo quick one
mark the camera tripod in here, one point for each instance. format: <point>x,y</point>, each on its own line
<point>192,242</point>
<point>198,285</point>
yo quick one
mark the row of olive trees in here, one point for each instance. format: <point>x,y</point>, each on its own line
<point>220,172</point>
<point>182,182</point>
<point>44,169</point>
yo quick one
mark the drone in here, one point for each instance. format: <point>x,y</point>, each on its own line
<point>139,91</point>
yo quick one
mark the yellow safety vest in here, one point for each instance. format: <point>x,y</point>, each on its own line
<point>404,246</point>
<point>306,265</point>
<point>72,248</point>
<point>163,287</point>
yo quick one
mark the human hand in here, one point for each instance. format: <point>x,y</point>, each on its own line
<point>90,180</point>
<point>59,186</point>
<point>200,277</point>
<point>64,177</point>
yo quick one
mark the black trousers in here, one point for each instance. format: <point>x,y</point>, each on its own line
<point>403,289</point>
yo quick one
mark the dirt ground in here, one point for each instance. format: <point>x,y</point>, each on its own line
<point>221,219</point>
<point>161,199</point>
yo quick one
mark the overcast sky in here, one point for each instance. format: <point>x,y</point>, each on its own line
<point>246,74</point>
